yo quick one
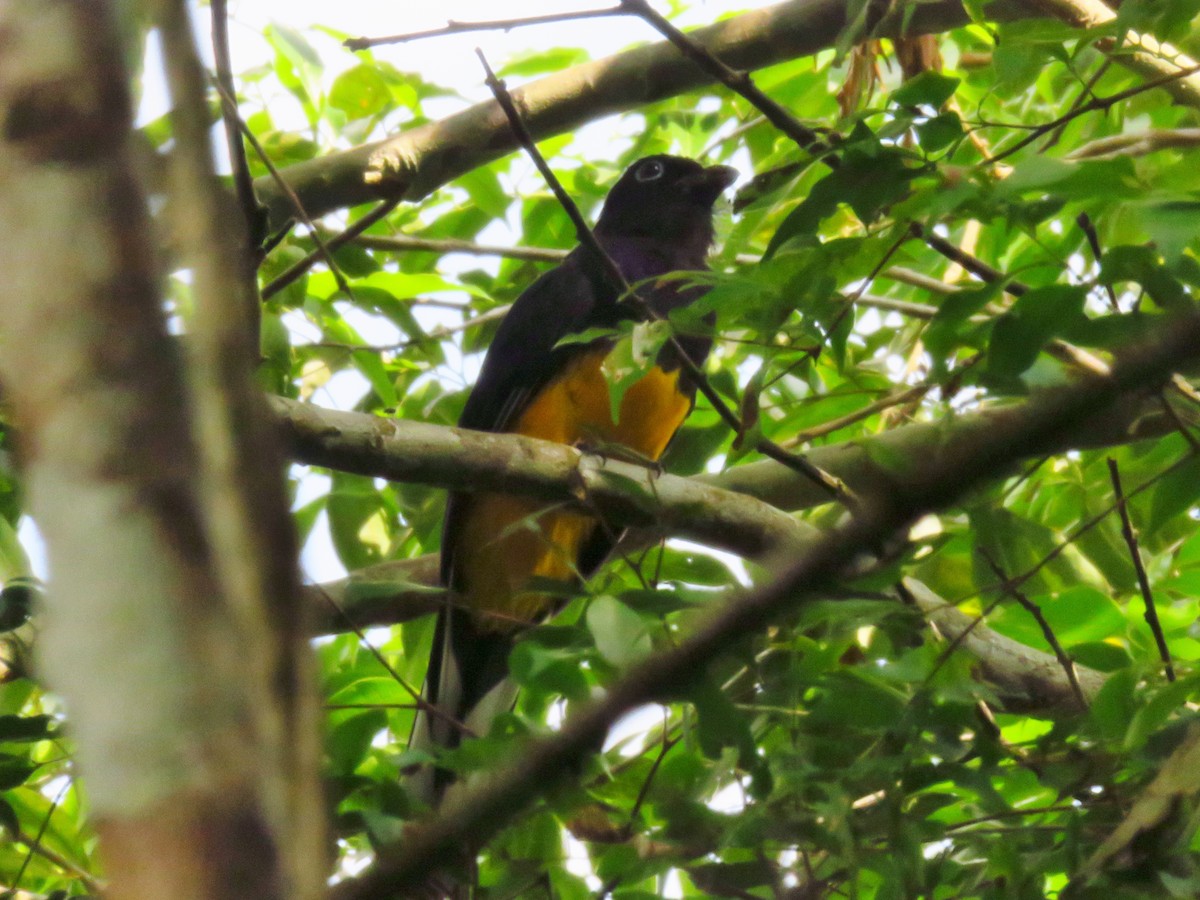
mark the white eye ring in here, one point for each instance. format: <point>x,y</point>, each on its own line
<point>651,170</point>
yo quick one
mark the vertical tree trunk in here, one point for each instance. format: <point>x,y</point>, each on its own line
<point>163,669</point>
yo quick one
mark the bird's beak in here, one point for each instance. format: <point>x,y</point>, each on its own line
<point>707,185</point>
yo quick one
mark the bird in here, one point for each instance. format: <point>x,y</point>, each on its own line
<point>656,219</point>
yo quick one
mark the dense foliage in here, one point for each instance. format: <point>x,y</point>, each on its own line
<point>847,751</point>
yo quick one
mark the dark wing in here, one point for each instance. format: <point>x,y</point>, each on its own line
<point>522,360</point>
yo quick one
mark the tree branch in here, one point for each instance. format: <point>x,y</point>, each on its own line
<point>472,816</point>
<point>446,457</point>
<point>417,162</point>
<point>455,27</point>
<point>246,511</point>
<point>465,460</point>
<point>176,782</point>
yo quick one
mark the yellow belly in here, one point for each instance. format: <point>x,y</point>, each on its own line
<point>505,541</point>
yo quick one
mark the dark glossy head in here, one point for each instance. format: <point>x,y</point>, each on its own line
<point>669,197</point>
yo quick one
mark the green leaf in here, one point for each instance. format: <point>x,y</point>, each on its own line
<point>14,771</point>
<point>871,176</point>
<point>1176,493</point>
<point>484,188</point>
<point>950,326</point>
<point>1114,705</point>
<point>928,88</point>
<point>621,635</point>
<point>939,132</point>
<point>18,729</point>
<point>1141,265</point>
<point>9,824</point>
<point>360,92</point>
<point>538,62</point>
<point>1037,316</point>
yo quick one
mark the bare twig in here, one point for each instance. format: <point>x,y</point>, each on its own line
<point>1064,658</point>
<point>896,398</point>
<point>1151,612</point>
<point>1180,426</point>
<point>36,847</point>
<point>1088,90</point>
<point>835,488</point>
<point>737,81</point>
<point>254,214</point>
<point>1099,103</point>
<point>1137,143</point>
<point>277,284</point>
<point>297,203</point>
<point>976,267</point>
<point>1084,221</point>
<point>418,700</point>
<point>455,27</point>
<point>404,243</point>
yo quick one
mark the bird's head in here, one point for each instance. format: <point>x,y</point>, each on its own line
<point>667,197</point>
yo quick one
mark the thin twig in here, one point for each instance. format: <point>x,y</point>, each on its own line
<point>894,399</point>
<point>667,744</point>
<point>1099,103</point>
<point>612,273</point>
<point>1180,425</point>
<point>1064,658</point>
<point>91,882</point>
<point>737,81</point>
<point>435,334</point>
<point>1137,143</point>
<point>1088,90</point>
<point>289,192</point>
<point>403,243</point>
<point>453,26</point>
<point>1084,221</point>
<point>976,267</point>
<point>35,846</point>
<point>293,272</point>
<point>253,212</point>
<point>849,302</point>
<point>1091,523</point>
<point>418,699</point>
<point>1151,612</point>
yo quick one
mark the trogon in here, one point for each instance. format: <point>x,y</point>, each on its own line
<point>657,218</point>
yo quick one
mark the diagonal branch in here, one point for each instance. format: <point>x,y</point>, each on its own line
<point>1064,659</point>
<point>420,160</point>
<point>243,183</point>
<point>455,27</point>
<point>423,453</point>
<point>473,816</point>
<point>1143,579</point>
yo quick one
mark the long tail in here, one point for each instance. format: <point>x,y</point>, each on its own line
<point>466,686</point>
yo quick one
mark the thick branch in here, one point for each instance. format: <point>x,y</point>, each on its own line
<point>244,501</point>
<point>135,602</point>
<point>463,460</point>
<point>472,816</point>
<point>417,162</point>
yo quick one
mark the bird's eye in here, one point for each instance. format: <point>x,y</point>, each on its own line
<point>650,170</point>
